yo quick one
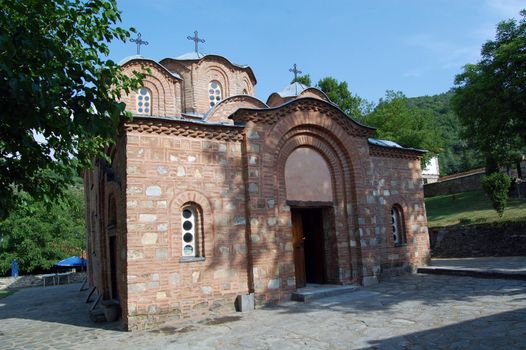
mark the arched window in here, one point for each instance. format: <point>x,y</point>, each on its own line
<point>397,225</point>
<point>214,92</point>
<point>191,236</point>
<point>144,101</point>
<point>245,92</point>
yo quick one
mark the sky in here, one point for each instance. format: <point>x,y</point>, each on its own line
<point>413,46</point>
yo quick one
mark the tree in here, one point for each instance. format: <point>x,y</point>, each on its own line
<point>303,79</point>
<point>58,95</point>
<point>397,121</point>
<point>338,92</point>
<point>489,95</point>
<point>38,234</point>
<point>456,155</point>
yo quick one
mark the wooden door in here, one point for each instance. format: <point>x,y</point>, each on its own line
<point>297,242</point>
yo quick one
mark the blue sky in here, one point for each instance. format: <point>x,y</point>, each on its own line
<point>414,46</point>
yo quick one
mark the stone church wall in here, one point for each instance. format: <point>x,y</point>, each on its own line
<point>165,172</point>
<point>106,216</point>
<point>397,182</point>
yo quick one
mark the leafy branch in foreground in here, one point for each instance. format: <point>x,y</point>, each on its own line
<point>58,94</point>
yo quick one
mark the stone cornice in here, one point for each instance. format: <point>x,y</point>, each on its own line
<point>272,115</point>
<point>386,152</point>
<point>176,127</point>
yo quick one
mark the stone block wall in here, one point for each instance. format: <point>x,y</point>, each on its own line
<point>496,239</point>
<point>165,172</point>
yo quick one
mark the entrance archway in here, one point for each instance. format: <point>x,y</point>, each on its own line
<point>309,192</point>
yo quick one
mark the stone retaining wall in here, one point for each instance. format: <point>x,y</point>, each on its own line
<point>470,182</point>
<point>37,280</point>
<point>497,239</point>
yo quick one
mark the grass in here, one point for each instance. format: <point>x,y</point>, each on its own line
<point>5,293</point>
<point>470,208</point>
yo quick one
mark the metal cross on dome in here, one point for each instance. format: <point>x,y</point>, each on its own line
<point>139,42</point>
<point>196,39</point>
<point>295,70</point>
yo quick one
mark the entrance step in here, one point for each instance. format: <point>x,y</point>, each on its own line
<point>318,291</point>
<point>473,272</point>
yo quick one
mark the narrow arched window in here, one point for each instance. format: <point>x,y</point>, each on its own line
<point>245,92</point>
<point>144,101</point>
<point>191,235</point>
<point>215,93</point>
<point>397,225</point>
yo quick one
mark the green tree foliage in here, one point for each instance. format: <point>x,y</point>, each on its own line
<point>338,92</point>
<point>397,121</point>
<point>490,95</point>
<point>56,85</point>
<point>38,234</point>
<point>303,79</point>
<point>456,155</point>
<point>496,186</point>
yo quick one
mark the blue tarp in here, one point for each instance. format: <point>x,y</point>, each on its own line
<point>72,261</point>
<point>14,268</point>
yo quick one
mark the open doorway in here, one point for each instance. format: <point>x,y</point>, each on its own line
<point>309,246</point>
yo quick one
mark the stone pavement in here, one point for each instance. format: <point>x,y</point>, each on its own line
<point>408,312</point>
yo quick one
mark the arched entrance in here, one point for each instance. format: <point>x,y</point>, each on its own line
<point>309,191</point>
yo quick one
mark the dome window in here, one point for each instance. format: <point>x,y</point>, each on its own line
<point>144,101</point>
<point>214,93</point>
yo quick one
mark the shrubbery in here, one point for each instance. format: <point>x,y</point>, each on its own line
<point>497,185</point>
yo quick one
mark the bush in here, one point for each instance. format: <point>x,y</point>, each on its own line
<point>497,185</point>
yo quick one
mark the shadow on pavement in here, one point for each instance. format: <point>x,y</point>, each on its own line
<point>63,304</point>
<point>418,289</point>
<point>500,331</point>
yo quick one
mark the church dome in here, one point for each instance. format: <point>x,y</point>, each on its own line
<point>292,90</point>
<point>191,56</point>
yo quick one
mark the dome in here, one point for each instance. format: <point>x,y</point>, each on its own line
<point>190,56</point>
<point>293,89</point>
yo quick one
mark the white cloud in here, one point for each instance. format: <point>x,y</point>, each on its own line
<point>507,8</point>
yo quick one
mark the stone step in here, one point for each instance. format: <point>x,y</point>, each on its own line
<point>313,292</point>
<point>473,272</point>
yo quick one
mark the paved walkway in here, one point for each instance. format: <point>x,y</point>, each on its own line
<point>409,312</point>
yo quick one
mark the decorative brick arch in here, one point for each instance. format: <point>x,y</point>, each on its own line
<point>215,72</point>
<point>401,202</point>
<point>328,145</point>
<point>229,105</point>
<point>207,216</point>
<point>160,83</point>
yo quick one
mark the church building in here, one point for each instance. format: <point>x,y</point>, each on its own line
<point>213,194</point>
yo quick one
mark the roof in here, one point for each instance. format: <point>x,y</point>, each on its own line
<point>293,89</point>
<point>196,56</point>
<point>142,58</point>
<point>189,121</point>
<point>391,144</point>
<point>191,56</point>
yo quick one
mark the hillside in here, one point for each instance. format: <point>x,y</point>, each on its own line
<point>456,155</point>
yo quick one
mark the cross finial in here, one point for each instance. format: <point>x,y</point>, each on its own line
<point>139,42</point>
<point>196,39</point>
<point>295,70</point>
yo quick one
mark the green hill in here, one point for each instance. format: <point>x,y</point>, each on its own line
<point>456,155</point>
